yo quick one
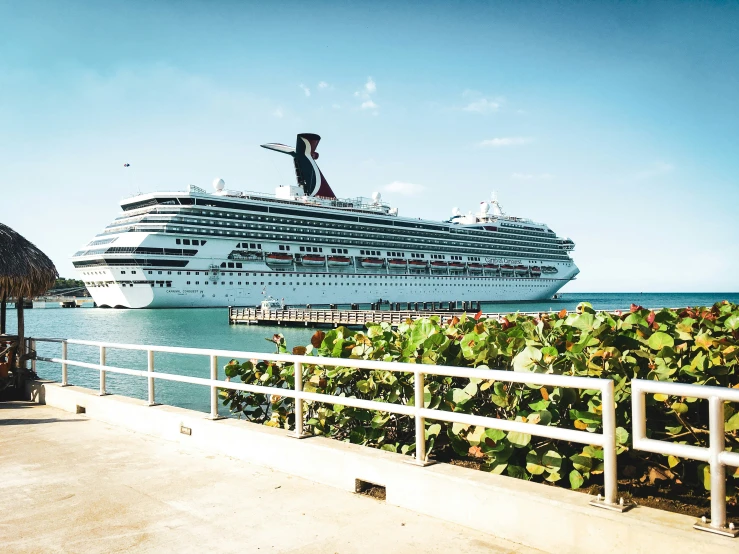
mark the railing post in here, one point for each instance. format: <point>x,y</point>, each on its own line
<point>64,365</point>
<point>718,470</point>
<point>608,405</point>
<point>150,379</point>
<point>32,350</point>
<point>102,372</point>
<point>298,401</point>
<point>610,482</point>
<point>214,390</point>
<point>420,421</point>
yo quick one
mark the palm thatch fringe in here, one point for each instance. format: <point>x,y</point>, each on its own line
<point>25,271</point>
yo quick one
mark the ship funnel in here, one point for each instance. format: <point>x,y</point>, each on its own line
<point>309,177</point>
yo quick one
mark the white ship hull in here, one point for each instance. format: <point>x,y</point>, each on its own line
<point>338,289</point>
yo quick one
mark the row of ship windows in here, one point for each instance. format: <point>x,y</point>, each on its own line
<point>455,257</point>
<point>195,242</point>
<point>519,229</point>
<point>168,284</point>
<point>229,265</point>
<point>548,241</point>
<point>491,250</point>
<point>358,277</point>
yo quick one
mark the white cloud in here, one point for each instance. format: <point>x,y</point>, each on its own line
<point>531,176</point>
<point>278,113</point>
<point>405,189</point>
<point>336,106</point>
<point>483,105</point>
<point>323,85</point>
<point>657,169</point>
<point>306,90</point>
<point>365,95</point>
<point>504,141</point>
<point>478,103</point>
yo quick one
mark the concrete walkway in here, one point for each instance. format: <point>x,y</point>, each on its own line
<point>70,484</point>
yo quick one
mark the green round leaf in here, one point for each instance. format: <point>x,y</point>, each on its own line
<point>659,340</point>
<point>576,479</point>
<point>519,440</point>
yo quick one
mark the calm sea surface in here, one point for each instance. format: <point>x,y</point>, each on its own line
<point>209,328</point>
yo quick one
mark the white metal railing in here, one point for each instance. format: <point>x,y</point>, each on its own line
<point>715,454</point>
<point>606,439</point>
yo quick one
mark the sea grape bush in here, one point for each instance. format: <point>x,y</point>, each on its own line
<point>694,345</point>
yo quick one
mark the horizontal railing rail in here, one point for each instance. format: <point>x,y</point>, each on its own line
<point>606,439</point>
<point>715,454</point>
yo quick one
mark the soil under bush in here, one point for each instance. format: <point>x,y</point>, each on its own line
<point>669,496</point>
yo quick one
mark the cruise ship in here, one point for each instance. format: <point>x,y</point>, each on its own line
<point>303,245</point>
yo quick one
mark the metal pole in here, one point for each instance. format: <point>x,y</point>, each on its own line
<point>64,366</point>
<point>718,470</point>
<point>298,401</point>
<point>638,415</point>
<point>214,390</point>
<point>608,408</point>
<point>150,379</point>
<point>32,351</point>
<point>420,421</point>
<point>102,371</point>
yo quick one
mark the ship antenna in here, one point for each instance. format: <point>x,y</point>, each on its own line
<point>497,209</point>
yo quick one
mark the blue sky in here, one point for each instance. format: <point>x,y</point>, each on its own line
<point>615,123</point>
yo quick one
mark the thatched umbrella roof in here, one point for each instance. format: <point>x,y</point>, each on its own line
<point>24,269</point>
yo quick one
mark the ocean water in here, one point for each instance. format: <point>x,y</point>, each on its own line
<point>209,328</point>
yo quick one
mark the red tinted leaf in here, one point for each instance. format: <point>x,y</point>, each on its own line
<point>562,313</point>
<point>478,315</point>
<point>650,318</point>
<point>317,339</point>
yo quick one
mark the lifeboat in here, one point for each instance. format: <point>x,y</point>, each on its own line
<point>397,263</point>
<point>522,270</point>
<point>438,265</point>
<point>492,267</point>
<point>506,269</point>
<point>279,259</point>
<point>372,262</point>
<point>535,270</point>
<point>417,263</point>
<point>475,268</point>
<point>338,261</point>
<point>314,260</point>
<point>456,265</point>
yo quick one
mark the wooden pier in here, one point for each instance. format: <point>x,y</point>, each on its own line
<point>307,317</point>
